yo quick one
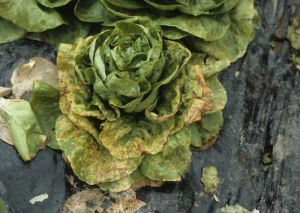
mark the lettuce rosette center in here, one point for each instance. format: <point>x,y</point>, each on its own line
<point>129,100</point>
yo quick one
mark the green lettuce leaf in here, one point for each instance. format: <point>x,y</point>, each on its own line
<point>208,28</point>
<point>92,11</point>
<point>130,137</point>
<point>26,132</point>
<point>194,8</point>
<point>173,161</point>
<point>205,131</point>
<point>90,161</point>
<point>208,65</point>
<point>53,3</point>
<point>134,181</point>
<point>10,32</point>
<point>233,44</point>
<point>45,105</point>
<point>67,33</point>
<point>210,179</point>
<point>130,97</point>
<point>30,15</point>
<point>218,94</point>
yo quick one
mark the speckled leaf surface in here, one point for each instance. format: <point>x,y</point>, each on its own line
<point>134,181</point>
<point>218,94</point>
<point>130,137</point>
<point>173,161</point>
<point>90,161</point>
<point>210,179</point>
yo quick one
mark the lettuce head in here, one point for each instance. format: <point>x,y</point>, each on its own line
<point>129,99</point>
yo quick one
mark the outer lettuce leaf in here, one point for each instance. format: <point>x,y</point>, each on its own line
<point>208,65</point>
<point>218,94</point>
<point>45,105</point>
<point>90,161</point>
<point>209,28</point>
<point>66,74</point>
<point>92,11</point>
<point>205,131</point>
<point>130,137</point>
<point>9,31</point>
<point>173,161</point>
<point>196,96</point>
<point>30,16</point>
<point>134,181</point>
<point>53,3</point>
<point>225,7</point>
<point>194,8</point>
<point>67,33</point>
<point>26,133</point>
<point>233,44</point>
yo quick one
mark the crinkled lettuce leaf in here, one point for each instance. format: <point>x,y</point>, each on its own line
<point>26,132</point>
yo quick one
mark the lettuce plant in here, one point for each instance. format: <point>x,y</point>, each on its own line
<point>219,28</point>
<point>130,102</point>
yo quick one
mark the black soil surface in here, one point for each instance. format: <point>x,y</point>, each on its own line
<point>262,117</point>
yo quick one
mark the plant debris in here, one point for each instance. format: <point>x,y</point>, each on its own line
<point>210,179</point>
<point>95,200</point>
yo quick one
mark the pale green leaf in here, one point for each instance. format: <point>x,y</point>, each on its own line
<point>26,132</point>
